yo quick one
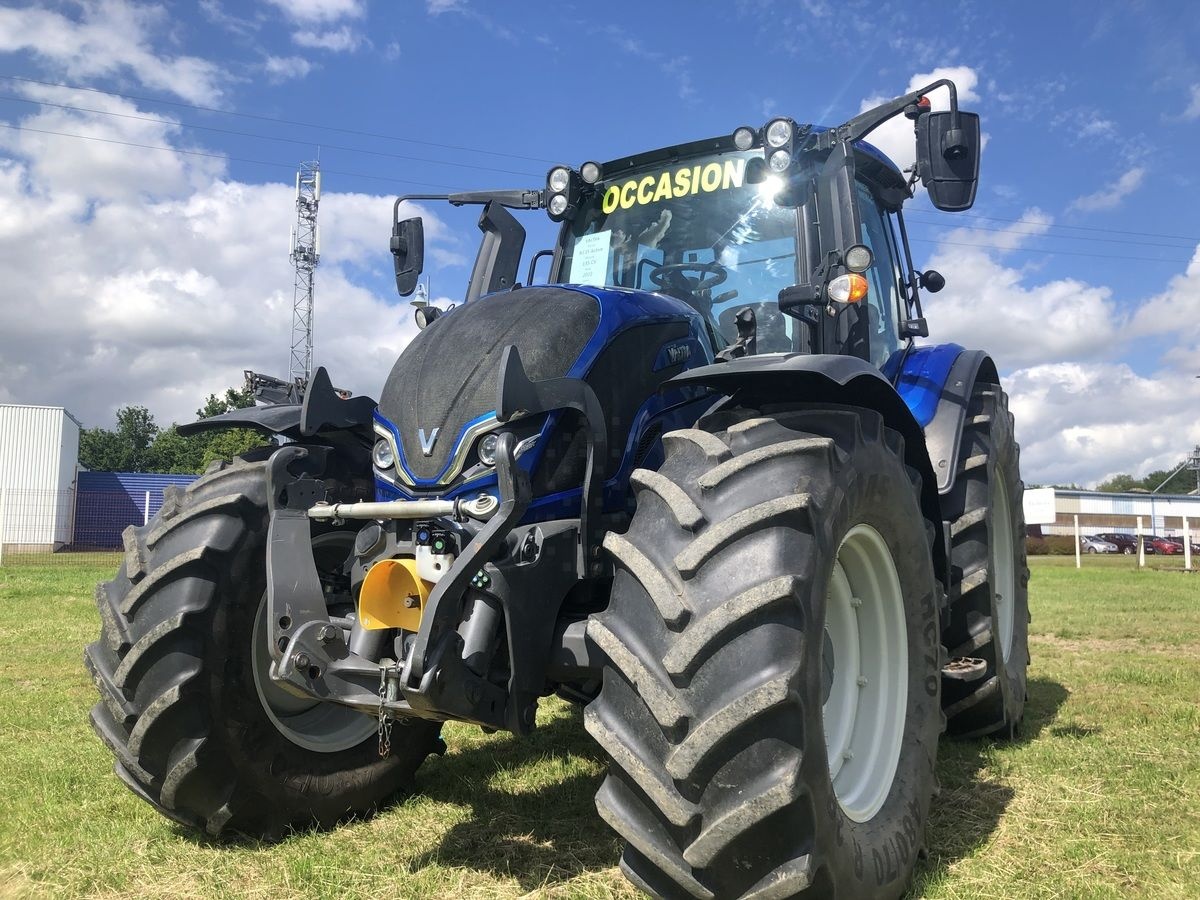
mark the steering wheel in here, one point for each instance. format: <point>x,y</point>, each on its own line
<point>709,275</point>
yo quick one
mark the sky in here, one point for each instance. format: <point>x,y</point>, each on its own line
<point>148,151</point>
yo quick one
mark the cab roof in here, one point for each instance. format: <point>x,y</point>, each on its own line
<point>874,163</point>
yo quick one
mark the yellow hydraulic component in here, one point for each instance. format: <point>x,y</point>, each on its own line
<point>393,596</point>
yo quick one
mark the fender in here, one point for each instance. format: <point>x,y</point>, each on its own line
<point>937,383</point>
<point>323,410</point>
<point>829,378</point>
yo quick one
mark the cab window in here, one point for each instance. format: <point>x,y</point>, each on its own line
<point>877,335</point>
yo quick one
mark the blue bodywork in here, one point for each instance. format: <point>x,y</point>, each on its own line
<point>922,379</point>
<point>919,375</point>
<point>674,408</point>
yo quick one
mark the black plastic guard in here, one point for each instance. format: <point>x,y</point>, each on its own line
<point>282,419</point>
<point>943,434</point>
<point>323,409</point>
<point>827,378</point>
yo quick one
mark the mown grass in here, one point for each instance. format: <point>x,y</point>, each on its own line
<point>1100,796</point>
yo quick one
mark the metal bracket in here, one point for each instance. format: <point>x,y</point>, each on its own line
<point>444,604</point>
<point>310,655</point>
<point>518,395</point>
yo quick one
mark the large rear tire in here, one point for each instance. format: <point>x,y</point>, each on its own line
<point>754,751</point>
<point>989,601</point>
<point>197,729</point>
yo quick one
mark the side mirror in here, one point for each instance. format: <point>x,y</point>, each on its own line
<point>948,158</point>
<point>408,248</point>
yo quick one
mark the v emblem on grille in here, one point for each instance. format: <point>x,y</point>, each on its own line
<point>427,440</point>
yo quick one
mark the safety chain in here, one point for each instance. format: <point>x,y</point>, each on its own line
<point>385,717</point>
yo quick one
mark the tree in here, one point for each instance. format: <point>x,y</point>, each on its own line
<point>100,450</point>
<point>226,444</point>
<point>172,452</point>
<point>139,445</point>
<point>1181,482</point>
<point>136,430</point>
<point>234,399</point>
<point>1119,483</point>
<point>127,449</point>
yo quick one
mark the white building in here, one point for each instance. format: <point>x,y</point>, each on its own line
<point>39,457</point>
<point>1160,514</point>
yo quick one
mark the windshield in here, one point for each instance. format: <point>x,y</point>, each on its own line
<point>696,230</point>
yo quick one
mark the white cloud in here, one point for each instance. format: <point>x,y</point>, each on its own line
<point>285,68</point>
<point>216,13</point>
<point>111,37</point>
<point>320,10</point>
<point>1083,423</point>
<point>1110,196</point>
<point>1173,312</point>
<point>1193,107</point>
<point>895,136</point>
<point>338,40</point>
<point>104,166</point>
<point>1082,412</point>
<point>137,277</point>
<point>988,305</point>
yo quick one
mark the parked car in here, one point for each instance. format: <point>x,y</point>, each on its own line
<point>1126,543</point>
<point>1092,544</point>
<point>1179,542</point>
<point>1164,545</point>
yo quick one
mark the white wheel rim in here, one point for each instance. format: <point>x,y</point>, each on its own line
<point>1003,561</point>
<point>312,724</point>
<point>867,677</point>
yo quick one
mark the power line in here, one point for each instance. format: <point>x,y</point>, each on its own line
<point>1161,259</point>
<point>268,137</point>
<point>1061,237</point>
<point>278,121</point>
<point>1181,237</point>
<point>241,159</point>
<point>277,165</point>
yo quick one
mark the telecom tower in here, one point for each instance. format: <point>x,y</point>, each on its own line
<point>306,253</point>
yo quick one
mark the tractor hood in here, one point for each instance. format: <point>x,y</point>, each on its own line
<point>444,383</point>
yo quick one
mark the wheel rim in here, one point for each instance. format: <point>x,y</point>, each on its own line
<point>865,673</point>
<point>311,724</point>
<point>1003,562</point>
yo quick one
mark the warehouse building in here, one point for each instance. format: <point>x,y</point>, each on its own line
<point>39,459</point>
<point>1160,514</point>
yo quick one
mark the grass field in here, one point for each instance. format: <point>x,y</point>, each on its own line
<point>1100,796</point>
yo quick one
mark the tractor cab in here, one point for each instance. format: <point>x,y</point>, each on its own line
<point>713,227</point>
<point>784,238</point>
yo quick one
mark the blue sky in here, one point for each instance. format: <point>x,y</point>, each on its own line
<point>145,276</point>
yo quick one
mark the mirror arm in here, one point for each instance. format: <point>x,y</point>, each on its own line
<point>407,197</point>
<point>511,199</point>
<point>864,123</point>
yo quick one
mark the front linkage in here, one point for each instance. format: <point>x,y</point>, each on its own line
<point>454,666</point>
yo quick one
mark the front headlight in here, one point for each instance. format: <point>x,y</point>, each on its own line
<point>487,448</point>
<point>382,455</point>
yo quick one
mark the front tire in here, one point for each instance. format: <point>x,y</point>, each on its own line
<point>765,548</point>
<point>196,730</point>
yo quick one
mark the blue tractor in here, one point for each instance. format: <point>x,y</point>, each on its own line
<point>699,481</point>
